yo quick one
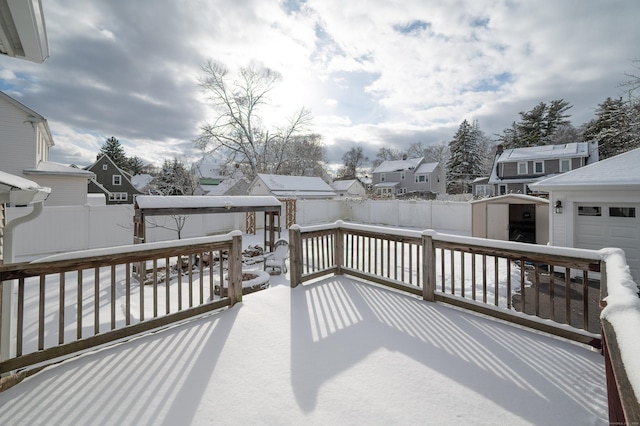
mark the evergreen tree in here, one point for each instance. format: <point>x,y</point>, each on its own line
<point>114,150</point>
<point>175,179</point>
<point>538,126</point>
<point>465,160</point>
<point>613,128</point>
<point>135,166</point>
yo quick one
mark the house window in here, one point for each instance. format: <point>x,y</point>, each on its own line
<point>402,175</point>
<point>622,212</point>
<point>565,166</point>
<point>538,167</point>
<point>523,168</point>
<point>589,211</point>
<point>484,190</point>
<point>421,178</point>
<point>383,177</point>
<point>118,196</point>
<point>502,189</point>
<point>105,167</point>
<point>116,180</point>
<point>402,191</point>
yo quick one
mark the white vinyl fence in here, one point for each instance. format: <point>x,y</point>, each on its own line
<point>71,228</point>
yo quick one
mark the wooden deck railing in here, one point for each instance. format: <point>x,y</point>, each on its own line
<point>498,278</point>
<point>95,297</point>
<point>620,325</point>
<point>514,282</point>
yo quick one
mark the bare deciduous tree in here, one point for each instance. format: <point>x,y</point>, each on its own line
<point>237,128</point>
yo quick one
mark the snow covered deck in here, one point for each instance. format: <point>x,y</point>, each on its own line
<point>336,351</point>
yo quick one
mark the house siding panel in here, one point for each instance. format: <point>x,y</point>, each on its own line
<point>17,138</point>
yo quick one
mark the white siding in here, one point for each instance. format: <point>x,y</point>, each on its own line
<point>17,140</point>
<point>65,191</point>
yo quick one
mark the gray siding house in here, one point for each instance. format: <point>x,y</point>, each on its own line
<point>515,169</point>
<point>112,181</point>
<point>408,176</point>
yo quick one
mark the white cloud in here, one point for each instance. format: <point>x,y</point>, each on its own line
<point>377,73</point>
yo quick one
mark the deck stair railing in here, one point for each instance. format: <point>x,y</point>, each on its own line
<point>75,301</point>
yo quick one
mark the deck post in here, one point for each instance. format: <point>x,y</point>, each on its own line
<point>428,267</point>
<point>339,248</point>
<point>235,270</point>
<point>295,250</point>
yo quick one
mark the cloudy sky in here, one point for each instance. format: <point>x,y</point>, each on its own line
<point>373,73</point>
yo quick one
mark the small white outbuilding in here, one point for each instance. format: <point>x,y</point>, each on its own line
<point>598,206</point>
<point>511,217</point>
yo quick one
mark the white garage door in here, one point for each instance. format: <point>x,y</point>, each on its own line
<point>610,225</point>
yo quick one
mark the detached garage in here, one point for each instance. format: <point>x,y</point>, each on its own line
<point>512,217</point>
<point>598,206</point>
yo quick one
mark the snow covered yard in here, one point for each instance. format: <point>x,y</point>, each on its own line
<point>337,351</point>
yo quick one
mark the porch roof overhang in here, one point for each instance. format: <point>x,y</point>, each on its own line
<point>20,191</point>
<point>386,185</point>
<point>22,30</point>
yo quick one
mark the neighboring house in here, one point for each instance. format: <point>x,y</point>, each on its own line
<point>301,187</point>
<point>22,30</point>
<point>25,141</point>
<point>515,169</point>
<point>412,175</point>
<point>348,188</point>
<point>480,187</point>
<point>112,181</point>
<point>598,206</point>
<point>211,178</point>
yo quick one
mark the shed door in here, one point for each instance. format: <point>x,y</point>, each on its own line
<point>600,225</point>
<point>498,221</point>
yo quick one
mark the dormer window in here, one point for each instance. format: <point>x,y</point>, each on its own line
<point>523,168</point>
<point>538,167</point>
<point>565,166</point>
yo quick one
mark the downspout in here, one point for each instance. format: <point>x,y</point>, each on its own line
<point>6,298</point>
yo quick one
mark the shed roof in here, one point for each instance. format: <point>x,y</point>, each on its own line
<point>512,199</point>
<point>281,183</point>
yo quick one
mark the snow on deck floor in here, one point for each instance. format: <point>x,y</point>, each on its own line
<point>338,351</point>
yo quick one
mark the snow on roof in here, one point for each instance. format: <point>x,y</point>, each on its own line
<point>619,171</point>
<point>18,190</point>
<point>141,181</point>
<point>426,167</point>
<point>48,167</point>
<point>569,150</point>
<point>343,185</point>
<point>523,197</point>
<point>192,201</point>
<point>398,165</point>
<point>13,181</point>
<point>386,184</point>
<point>297,184</point>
